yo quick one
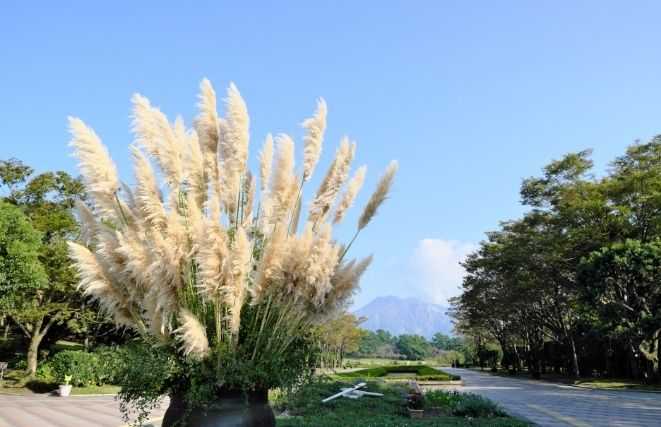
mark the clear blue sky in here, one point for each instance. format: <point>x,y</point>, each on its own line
<point>470,97</point>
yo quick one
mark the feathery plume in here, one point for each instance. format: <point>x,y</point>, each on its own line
<point>283,179</point>
<point>240,260</point>
<point>197,169</point>
<point>249,194</point>
<point>265,162</point>
<point>379,195</point>
<point>212,258</point>
<point>95,283</point>
<point>148,198</point>
<point>88,224</point>
<point>233,148</point>
<point>162,141</point>
<point>350,194</point>
<point>206,122</point>
<point>237,133</point>
<point>193,336</point>
<point>270,265</point>
<point>98,170</point>
<point>315,126</point>
<point>333,181</point>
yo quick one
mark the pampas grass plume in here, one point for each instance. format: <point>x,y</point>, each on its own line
<point>379,195</point>
<point>313,140</point>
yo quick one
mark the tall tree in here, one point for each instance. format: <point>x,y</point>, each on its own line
<point>625,279</point>
<point>47,200</point>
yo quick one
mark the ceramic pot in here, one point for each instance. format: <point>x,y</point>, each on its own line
<point>233,408</point>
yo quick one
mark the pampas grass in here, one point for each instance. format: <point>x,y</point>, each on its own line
<point>193,336</point>
<point>182,254</point>
<point>350,194</point>
<point>97,169</point>
<point>315,126</point>
<point>332,182</point>
<point>379,195</point>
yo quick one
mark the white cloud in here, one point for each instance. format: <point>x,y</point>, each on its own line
<point>436,271</point>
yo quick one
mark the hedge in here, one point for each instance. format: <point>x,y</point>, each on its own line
<point>422,372</point>
<point>103,366</point>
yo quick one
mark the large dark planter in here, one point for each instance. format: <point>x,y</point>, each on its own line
<point>232,409</point>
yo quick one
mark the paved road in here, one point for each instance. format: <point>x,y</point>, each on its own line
<point>54,411</point>
<point>559,405</point>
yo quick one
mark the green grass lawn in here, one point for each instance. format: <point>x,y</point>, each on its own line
<point>95,389</point>
<point>17,383</point>
<point>616,384</point>
<point>419,372</point>
<point>305,409</point>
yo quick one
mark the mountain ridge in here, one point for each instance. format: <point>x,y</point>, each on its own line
<point>409,315</point>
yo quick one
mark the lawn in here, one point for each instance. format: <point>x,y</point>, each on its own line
<point>17,383</point>
<point>616,384</point>
<point>305,409</point>
<point>419,372</point>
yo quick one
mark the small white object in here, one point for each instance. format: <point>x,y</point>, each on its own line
<point>359,393</point>
<point>352,393</point>
<point>65,390</point>
<point>344,392</point>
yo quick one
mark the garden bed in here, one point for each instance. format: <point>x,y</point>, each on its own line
<point>304,408</point>
<point>421,373</point>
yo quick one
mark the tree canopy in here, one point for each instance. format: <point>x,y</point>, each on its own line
<point>573,284</point>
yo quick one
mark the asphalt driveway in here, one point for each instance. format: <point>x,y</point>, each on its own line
<point>54,411</point>
<point>549,404</point>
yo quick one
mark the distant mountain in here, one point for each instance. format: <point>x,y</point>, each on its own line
<point>405,316</point>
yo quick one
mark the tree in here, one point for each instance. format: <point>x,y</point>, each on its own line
<point>378,344</point>
<point>553,287</point>
<point>21,272</point>
<point>625,279</point>
<point>20,268</point>
<point>338,337</point>
<point>46,200</point>
<point>413,347</point>
<point>447,343</point>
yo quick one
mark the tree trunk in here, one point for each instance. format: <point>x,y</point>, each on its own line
<point>658,356</point>
<point>5,334</point>
<point>36,334</point>
<point>574,360</point>
<point>634,361</point>
<point>33,353</point>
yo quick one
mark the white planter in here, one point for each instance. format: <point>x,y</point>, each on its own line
<point>65,390</point>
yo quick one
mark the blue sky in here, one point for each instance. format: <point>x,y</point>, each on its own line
<point>470,97</point>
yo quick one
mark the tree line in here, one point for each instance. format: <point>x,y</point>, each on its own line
<point>574,285</point>
<point>343,337</point>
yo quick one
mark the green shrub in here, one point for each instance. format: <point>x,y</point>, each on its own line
<point>83,366</point>
<point>474,406</point>
<point>46,372</point>
<point>111,364</point>
<point>442,399</point>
